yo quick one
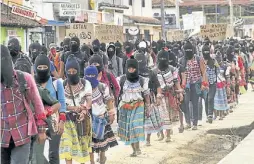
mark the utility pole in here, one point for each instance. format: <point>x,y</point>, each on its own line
<point>177,14</point>
<point>163,31</point>
<point>231,12</point>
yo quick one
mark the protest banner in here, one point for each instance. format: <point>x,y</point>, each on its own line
<point>109,33</point>
<point>175,35</point>
<point>214,32</point>
<point>84,31</point>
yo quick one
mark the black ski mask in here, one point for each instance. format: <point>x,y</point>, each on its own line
<point>96,45</point>
<point>103,47</point>
<point>97,61</point>
<point>163,60</point>
<point>118,46</point>
<point>14,47</point>
<point>206,52</point>
<point>128,46</point>
<point>66,44</point>
<point>72,79</point>
<point>111,51</point>
<point>132,76</point>
<point>155,47</point>
<point>237,48</point>
<point>230,53</point>
<point>42,75</point>
<point>172,59</point>
<point>142,64</point>
<point>188,50</point>
<point>6,67</point>
<point>74,44</point>
<point>251,48</point>
<point>34,50</point>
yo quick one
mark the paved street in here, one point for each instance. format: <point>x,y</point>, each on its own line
<point>242,115</point>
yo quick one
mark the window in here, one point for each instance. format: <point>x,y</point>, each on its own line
<point>143,3</point>
<point>130,2</point>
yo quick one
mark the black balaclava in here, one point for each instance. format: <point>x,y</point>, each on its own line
<point>206,52</point>
<point>243,50</point>
<point>132,63</point>
<point>230,53</point>
<point>74,44</point>
<point>96,45</point>
<point>207,41</point>
<point>44,50</point>
<point>66,44</point>
<point>163,60</point>
<point>6,67</point>
<point>111,51</point>
<point>128,46</point>
<point>42,76</point>
<point>251,48</point>
<point>136,44</point>
<point>72,62</point>
<point>142,64</point>
<point>237,48</point>
<point>34,50</point>
<point>176,49</point>
<point>118,47</point>
<point>85,49</point>
<point>155,47</point>
<point>188,50</point>
<point>103,47</point>
<point>14,47</point>
<point>218,57</point>
<point>161,44</point>
<point>97,59</point>
<point>172,59</point>
<point>231,42</point>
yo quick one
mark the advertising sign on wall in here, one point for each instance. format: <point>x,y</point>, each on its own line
<point>69,9</point>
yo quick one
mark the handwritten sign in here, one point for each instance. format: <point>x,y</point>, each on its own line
<point>109,33</point>
<point>69,9</point>
<point>214,32</point>
<point>84,31</point>
<point>176,35</point>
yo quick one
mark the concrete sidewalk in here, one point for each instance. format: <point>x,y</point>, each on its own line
<point>159,151</point>
<point>243,153</point>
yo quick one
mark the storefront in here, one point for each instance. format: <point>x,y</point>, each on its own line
<point>15,22</point>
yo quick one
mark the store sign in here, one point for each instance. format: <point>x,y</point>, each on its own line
<point>70,9</point>
<point>23,12</point>
<point>12,32</point>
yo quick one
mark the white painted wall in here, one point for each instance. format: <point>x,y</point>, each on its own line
<point>137,9</point>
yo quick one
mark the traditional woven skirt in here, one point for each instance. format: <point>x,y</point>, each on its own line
<point>73,147</point>
<point>154,123</point>
<point>108,141</point>
<point>220,99</point>
<point>165,115</point>
<point>172,106</point>
<point>131,122</point>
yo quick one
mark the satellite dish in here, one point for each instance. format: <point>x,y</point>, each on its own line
<point>133,31</point>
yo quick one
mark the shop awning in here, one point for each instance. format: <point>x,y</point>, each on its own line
<point>143,20</point>
<point>10,19</point>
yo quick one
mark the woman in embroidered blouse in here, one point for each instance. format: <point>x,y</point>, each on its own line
<point>78,94</point>
<point>103,114</point>
<point>168,78</point>
<point>131,107</point>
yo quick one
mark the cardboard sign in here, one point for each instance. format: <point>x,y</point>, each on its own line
<point>176,35</point>
<point>84,31</point>
<point>109,33</point>
<point>21,11</point>
<point>69,9</point>
<point>214,32</point>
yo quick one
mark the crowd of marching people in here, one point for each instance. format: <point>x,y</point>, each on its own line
<point>71,94</point>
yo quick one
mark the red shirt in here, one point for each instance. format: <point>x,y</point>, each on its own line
<point>105,80</point>
<point>16,121</point>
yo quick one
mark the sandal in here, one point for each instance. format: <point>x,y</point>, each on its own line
<point>161,138</point>
<point>134,154</point>
<point>148,143</point>
<point>139,152</point>
<point>168,139</point>
<point>181,129</point>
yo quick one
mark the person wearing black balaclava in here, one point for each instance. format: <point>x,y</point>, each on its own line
<point>96,50</point>
<point>212,69</point>
<point>195,82</point>
<point>15,87</point>
<point>168,78</point>
<point>15,51</point>
<point>75,50</point>
<point>66,44</point>
<point>103,47</point>
<point>143,49</point>
<point>115,63</point>
<point>132,108</point>
<point>154,121</point>
<point>34,50</point>
<point>119,52</point>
